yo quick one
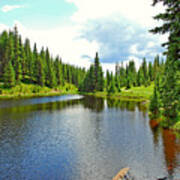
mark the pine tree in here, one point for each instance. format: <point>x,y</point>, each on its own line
<point>99,79</point>
<point>155,105</point>
<point>39,72</point>
<point>145,73</point>
<point>3,51</point>
<point>132,73</point>
<point>35,59</point>
<point>17,60</point>
<point>155,67</point>
<point>8,52</point>
<point>100,85</point>
<point>65,72</point>
<point>108,79</point>
<point>96,70</point>
<point>23,59</point>
<point>29,58</point>
<point>171,25</point>
<point>58,72</point>
<point>49,74</point>
<point>128,84</point>
<point>69,74</point>
<point>112,87</point>
<point>150,71</point>
<point>52,76</point>
<point>88,84</point>
<point>140,77</point>
<point>170,94</point>
<point>9,75</point>
<point>117,82</point>
<point>122,73</point>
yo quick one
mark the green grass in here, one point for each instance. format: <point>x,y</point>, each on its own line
<point>141,92</point>
<point>31,90</point>
<point>138,94</point>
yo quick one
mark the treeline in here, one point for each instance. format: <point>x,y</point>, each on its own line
<point>129,76</point>
<point>165,102</point>
<point>126,77</point>
<point>19,63</point>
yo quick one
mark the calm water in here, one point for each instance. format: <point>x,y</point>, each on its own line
<point>82,138</point>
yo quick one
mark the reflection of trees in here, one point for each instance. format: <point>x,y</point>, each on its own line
<point>20,110</point>
<point>171,146</point>
<point>16,131</point>
<point>15,117</point>
<point>123,105</point>
<point>97,124</point>
<point>171,150</point>
<point>93,103</point>
<point>155,131</point>
<point>142,106</point>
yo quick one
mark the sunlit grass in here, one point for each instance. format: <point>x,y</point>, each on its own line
<point>141,93</point>
<point>31,90</point>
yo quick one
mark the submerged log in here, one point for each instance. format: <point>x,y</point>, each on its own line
<point>123,173</point>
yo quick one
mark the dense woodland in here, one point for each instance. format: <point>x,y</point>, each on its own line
<point>125,76</point>
<point>19,63</point>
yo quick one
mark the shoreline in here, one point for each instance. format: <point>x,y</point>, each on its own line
<point>32,95</point>
<point>23,91</point>
<point>124,96</point>
<point>117,96</point>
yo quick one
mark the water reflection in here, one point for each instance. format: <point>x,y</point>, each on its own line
<point>89,138</point>
<point>93,103</point>
<point>171,151</point>
<point>171,148</point>
<point>123,105</point>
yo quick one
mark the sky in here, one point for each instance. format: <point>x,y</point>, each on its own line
<point>76,29</point>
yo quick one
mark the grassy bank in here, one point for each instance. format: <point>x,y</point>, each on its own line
<point>31,90</point>
<point>138,94</point>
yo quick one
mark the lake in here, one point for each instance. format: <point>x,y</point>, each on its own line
<point>83,138</point>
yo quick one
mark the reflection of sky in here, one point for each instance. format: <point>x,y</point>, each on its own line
<point>39,100</point>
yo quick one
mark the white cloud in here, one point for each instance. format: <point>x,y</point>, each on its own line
<point>139,11</point>
<point>133,49</point>
<point>8,8</point>
<point>143,52</point>
<point>3,27</point>
<point>150,44</point>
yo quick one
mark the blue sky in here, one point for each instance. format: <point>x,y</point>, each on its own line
<point>76,29</point>
<point>38,13</point>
